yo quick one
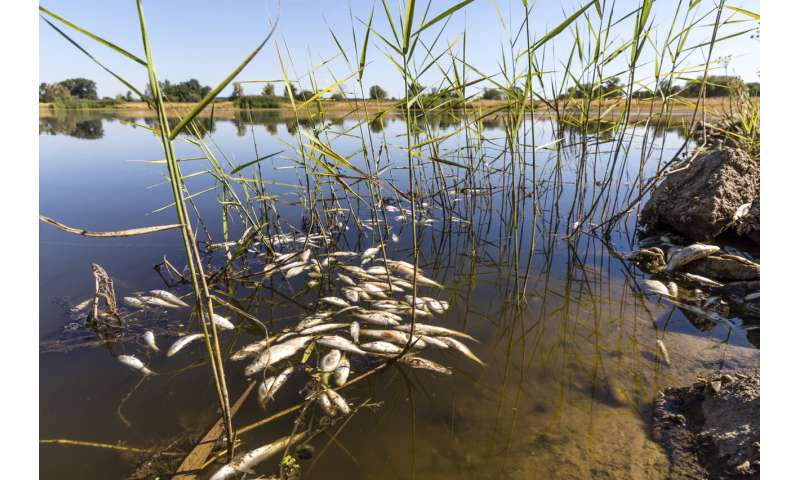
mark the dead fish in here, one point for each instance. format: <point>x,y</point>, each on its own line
<point>158,302</point>
<point>335,301</point>
<point>343,253</point>
<point>340,343</point>
<point>169,297</point>
<point>381,347</point>
<point>338,401</point>
<point>672,288</point>
<point>425,281</point>
<point>654,287</point>
<point>395,238</point>
<point>285,336</point>
<point>377,318</point>
<point>345,279</point>
<point>709,314</point>
<point>330,361</point>
<point>391,209</point>
<point>434,342</point>
<point>425,364</point>
<point>326,404</point>
<point>393,336</point>
<point>311,320</point>
<point>342,372</point>
<point>249,350</point>
<point>245,462</point>
<point>664,353</point>
<point>295,271</point>
<point>351,293</point>
<point>305,255</point>
<point>425,329</point>
<point>689,254</point>
<point>355,329</point>
<point>182,342</point>
<point>276,353</point>
<point>369,254</point>
<point>378,270</point>
<point>327,327</point>
<point>222,322</point>
<point>704,281</point>
<point>434,305</point>
<point>150,339</point>
<point>752,296</point>
<point>135,364</point>
<point>134,302</point>
<point>82,306</point>
<point>452,342</point>
<point>270,386</point>
<point>290,266</point>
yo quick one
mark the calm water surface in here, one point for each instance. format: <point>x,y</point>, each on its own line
<point>570,374</point>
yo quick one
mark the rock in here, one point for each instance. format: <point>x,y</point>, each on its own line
<point>726,267</point>
<point>750,224</point>
<point>700,201</point>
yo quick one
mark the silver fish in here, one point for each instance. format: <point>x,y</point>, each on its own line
<point>381,347</point>
<point>707,282</point>
<point>425,329</point>
<point>664,353</point>
<point>276,353</point>
<point>435,305</point>
<point>351,293</point>
<point>335,301</point>
<point>434,342</point>
<point>393,336</point>
<point>377,318</point>
<point>654,287</point>
<point>169,297</point>
<point>158,302</point>
<point>150,339</point>
<point>249,350</point>
<point>270,386</point>
<point>182,342</point>
<point>338,401</point>
<point>452,342</point>
<point>325,327</point>
<point>82,306</point>
<point>295,271</point>
<point>345,279</point>
<point>340,343</point>
<point>305,255</point>
<point>326,404</point>
<point>330,361</point>
<point>369,254</point>
<point>134,302</point>
<point>689,254</point>
<point>342,372</point>
<point>424,363</point>
<point>245,462</point>
<point>355,330</point>
<point>135,364</point>
<point>222,322</point>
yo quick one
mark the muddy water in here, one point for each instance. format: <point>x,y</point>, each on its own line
<point>570,373</point>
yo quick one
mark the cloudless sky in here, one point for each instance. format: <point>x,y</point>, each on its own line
<point>207,39</point>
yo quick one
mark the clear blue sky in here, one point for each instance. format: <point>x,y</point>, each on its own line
<point>206,39</point>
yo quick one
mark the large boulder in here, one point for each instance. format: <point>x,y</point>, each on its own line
<point>701,200</point>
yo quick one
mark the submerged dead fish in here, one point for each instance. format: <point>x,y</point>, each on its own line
<point>134,302</point>
<point>169,297</point>
<point>135,364</point>
<point>182,342</point>
<point>245,462</point>
<point>425,364</point>
<point>452,342</point>
<point>150,340</point>
<point>270,386</point>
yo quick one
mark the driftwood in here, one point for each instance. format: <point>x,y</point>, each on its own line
<point>117,233</point>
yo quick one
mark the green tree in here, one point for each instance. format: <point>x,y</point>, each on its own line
<point>377,93</point>
<point>492,94</point>
<point>53,92</point>
<point>82,88</point>
<point>293,91</point>
<point>238,92</point>
<point>337,97</point>
<point>716,86</point>
<point>269,90</point>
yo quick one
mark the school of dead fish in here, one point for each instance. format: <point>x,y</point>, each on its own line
<point>371,317</point>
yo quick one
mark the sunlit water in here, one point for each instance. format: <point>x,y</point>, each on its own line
<point>571,372</point>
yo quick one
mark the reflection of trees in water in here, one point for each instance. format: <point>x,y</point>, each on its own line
<point>205,125</point>
<point>86,128</point>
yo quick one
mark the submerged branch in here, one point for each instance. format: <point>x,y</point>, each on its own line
<point>116,233</point>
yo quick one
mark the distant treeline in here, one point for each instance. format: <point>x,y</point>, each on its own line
<point>82,92</point>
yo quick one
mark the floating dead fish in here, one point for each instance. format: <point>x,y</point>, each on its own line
<point>378,318</point>
<point>326,327</point>
<point>244,463</point>
<point>330,361</point>
<point>427,282</point>
<point>135,364</point>
<point>655,287</point>
<point>434,342</point>
<point>305,255</point>
<point>335,301</point>
<point>134,302</point>
<point>249,350</point>
<point>338,401</point>
<point>664,353</point>
<point>355,330</point>
<point>169,297</point>
<point>393,336</point>
<point>269,387</point>
<point>378,270</point>
<point>452,342</point>
<point>326,404</point>
<point>82,306</point>
<point>345,279</point>
<point>342,372</point>
<point>369,254</point>
<point>435,330</point>
<point>425,364</point>
<point>689,254</point>
<point>150,340</point>
<point>704,281</point>
<point>295,271</point>
<point>276,353</point>
<point>340,343</point>
<point>313,319</point>
<point>182,342</point>
<point>672,288</point>
<point>434,305</point>
<point>158,302</point>
<point>395,238</point>
<point>351,293</point>
<point>382,347</point>
<point>222,322</point>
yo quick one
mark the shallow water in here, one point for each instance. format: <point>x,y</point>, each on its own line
<point>570,372</point>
